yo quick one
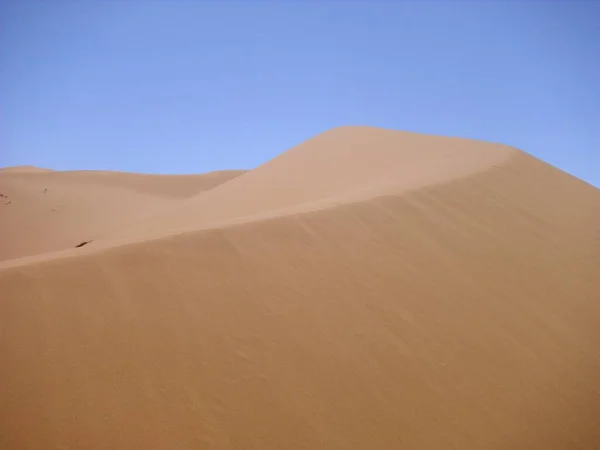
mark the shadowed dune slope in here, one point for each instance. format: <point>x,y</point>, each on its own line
<point>43,211</point>
<point>461,313</point>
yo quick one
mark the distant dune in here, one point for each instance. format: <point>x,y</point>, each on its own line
<point>368,289</point>
<point>50,211</point>
<point>24,169</point>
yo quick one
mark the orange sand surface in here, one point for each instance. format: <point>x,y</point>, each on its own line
<point>367,289</point>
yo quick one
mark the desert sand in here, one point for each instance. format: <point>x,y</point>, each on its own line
<point>367,289</point>
<point>50,211</point>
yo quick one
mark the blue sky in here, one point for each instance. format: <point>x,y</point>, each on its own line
<point>185,86</point>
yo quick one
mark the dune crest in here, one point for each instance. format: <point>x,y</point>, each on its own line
<point>430,293</point>
<point>343,165</point>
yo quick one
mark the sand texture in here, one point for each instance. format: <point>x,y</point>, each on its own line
<point>367,289</point>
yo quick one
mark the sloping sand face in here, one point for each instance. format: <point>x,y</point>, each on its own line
<point>460,314</point>
<point>341,166</point>
<point>43,211</point>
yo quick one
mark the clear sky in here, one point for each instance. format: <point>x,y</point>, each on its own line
<point>184,86</point>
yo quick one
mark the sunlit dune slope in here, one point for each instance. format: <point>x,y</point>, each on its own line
<point>343,165</point>
<point>43,211</point>
<point>459,310</point>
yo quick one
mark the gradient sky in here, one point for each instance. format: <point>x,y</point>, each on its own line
<point>185,86</point>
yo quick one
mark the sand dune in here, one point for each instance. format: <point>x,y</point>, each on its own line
<point>44,211</point>
<point>344,165</point>
<point>24,169</point>
<point>367,289</point>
